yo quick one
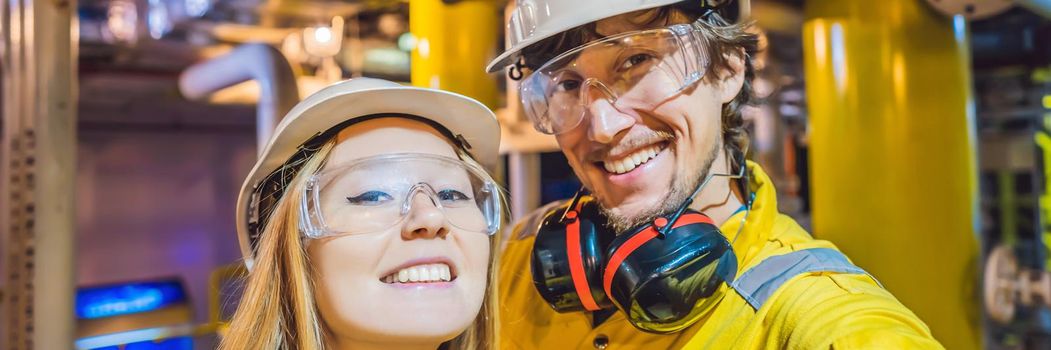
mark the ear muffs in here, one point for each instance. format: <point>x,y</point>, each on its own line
<point>569,256</point>
<point>664,275</point>
<point>662,282</point>
<point>665,282</point>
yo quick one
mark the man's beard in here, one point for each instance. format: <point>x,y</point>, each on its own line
<point>680,191</point>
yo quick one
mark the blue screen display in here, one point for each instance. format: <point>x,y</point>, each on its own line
<point>128,298</point>
<point>178,343</point>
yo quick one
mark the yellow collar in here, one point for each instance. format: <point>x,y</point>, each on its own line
<point>758,221</point>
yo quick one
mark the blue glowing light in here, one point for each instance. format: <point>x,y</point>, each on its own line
<point>130,298</point>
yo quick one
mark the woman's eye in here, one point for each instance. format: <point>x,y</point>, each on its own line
<point>370,198</point>
<point>452,196</point>
<point>634,60</point>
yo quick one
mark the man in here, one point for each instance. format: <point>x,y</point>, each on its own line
<point>644,98</point>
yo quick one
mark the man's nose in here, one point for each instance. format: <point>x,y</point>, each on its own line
<point>605,120</point>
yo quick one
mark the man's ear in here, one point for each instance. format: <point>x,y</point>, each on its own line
<point>732,80</point>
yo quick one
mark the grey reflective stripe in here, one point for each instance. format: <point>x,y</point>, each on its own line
<point>758,283</point>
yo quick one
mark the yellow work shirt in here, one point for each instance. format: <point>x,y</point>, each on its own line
<point>810,311</point>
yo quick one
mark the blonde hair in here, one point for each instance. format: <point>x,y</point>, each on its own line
<point>278,309</point>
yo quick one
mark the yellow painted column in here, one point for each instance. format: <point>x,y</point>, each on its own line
<point>892,153</point>
<point>454,41</point>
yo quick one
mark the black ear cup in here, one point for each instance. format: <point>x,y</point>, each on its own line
<point>568,257</point>
<point>663,278</point>
<point>664,283</point>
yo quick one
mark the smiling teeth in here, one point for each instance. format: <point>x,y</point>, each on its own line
<point>632,161</point>
<point>420,274</point>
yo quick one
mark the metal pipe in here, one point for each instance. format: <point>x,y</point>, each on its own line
<point>453,39</point>
<point>524,183</point>
<point>260,62</point>
<point>38,174</point>
<point>892,155</point>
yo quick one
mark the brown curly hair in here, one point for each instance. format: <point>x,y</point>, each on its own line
<point>725,38</point>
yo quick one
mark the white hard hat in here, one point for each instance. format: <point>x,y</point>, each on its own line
<point>468,122</point>
<point>536,20</point>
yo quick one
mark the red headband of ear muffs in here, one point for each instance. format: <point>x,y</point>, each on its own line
<point>664,275</point>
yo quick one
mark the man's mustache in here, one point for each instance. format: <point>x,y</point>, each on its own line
<point>628,145</point>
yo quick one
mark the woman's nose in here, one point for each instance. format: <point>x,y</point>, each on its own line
<point>425,219</point>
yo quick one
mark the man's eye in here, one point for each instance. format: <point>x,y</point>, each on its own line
<point>452,196</point>
<point>370,198</point>
<point>634,60</point>
<point>567,85</point>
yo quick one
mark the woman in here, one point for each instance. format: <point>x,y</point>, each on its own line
<point>368,223</point>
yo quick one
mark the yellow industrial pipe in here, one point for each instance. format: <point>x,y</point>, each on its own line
<point>892,153</point>
<point>454,41</point>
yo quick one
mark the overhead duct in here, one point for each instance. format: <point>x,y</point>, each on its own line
<point>262,63</point>
<point>1040,7</point>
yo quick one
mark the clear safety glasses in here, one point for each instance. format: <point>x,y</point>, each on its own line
<point>634,70</point>
<point>377,193</point>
